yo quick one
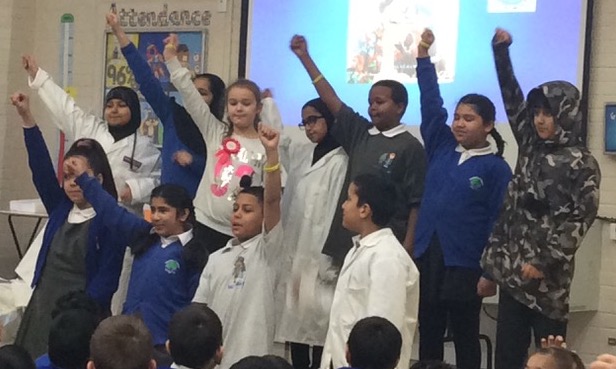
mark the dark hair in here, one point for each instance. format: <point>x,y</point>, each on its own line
<point>563,358</point>
<point>97,160</point>
<point>69,338</point>
<point>374,343</point>
<point>536,99</point>
<point>378,193</point>
<point>431,364</point>
<point>320,106</point>
<point>252,362</point>
<point>15,357</point>
<point>484,107</point>
<point>217,88</point>
<point>277,362</point>
<point>76,300</point>
<point>248,188</point>
<point>193,253</point>
<point>256,91</point>
<point>398,92</point>
<point>195,334</point>
<point>121,342</point>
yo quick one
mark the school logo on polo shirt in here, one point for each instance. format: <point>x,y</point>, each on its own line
<point>475,182</point>
<point>171,266</point>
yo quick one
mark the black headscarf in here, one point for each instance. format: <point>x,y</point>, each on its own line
<point>328,143</point>
<point>132,100</point>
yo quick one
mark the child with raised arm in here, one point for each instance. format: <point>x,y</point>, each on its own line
<point>132,156</point>
<point>233,149</point>
<point>79,251</point>
<point>183,152</point>
<point>551,203</point>
<point>465,185</point>
<point>239,280</point>
<point>381,146</point>
<point>378,277</point>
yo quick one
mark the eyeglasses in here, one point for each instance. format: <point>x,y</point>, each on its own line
<point>309,121</point>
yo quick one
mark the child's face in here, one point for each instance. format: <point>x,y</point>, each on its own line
<point>117,112</point>
<point>468,127</point>
<point>242,107</point>
<point>317,130</point>
<point>540,361</point>
<point>351,212</point>
<point>203,86</point>
<point>544,123</point>
<point>384,112</point>
<point>72,190</point>
<point>167,220</point>
<point>247,218</point>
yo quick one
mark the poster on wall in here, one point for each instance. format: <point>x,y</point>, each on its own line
<point>191,54</point>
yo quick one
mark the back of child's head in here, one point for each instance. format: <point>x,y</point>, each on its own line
<point>484,107</point>
<point>277,362</point>
<point>431,364</point>
<point>379,193</point>
<point>97,160</point>
<point>217,88</point>
<point>195,336</point>
<point>560,358</point>
<point>121,342</point>
<point>399,94</point>
<point>15,357</point>
<point>252,362</point>
<point>374,343</point>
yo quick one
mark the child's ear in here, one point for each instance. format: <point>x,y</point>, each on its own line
<point>183,216</point>
<point>365,211</point>
<point>90,365</point>
<point>168,347</point>
<point>218,355</point>
<point>152,364</point>
<point>347,354</point>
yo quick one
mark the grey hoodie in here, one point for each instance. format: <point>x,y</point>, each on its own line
<point>551,201</point>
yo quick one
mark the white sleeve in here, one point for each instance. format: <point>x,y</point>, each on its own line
<point>148,175</point>
<point>203,290</point>
<point>270,114</point>
<point>70,119</point>
<point>387,291</point>
<point>211,128</point>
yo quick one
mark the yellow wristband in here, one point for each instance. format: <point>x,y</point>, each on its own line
<point>424,44</point>
<point>317,79</point>
<point>272,168</point>
<point>170,46</point>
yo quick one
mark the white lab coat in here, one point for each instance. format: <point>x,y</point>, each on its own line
<point>308,206</point>
<point>215,194</point>
<point>76,124</point>
<point>378,278</point>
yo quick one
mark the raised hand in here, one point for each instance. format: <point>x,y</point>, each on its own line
<point>269,137</point>
<point>502,37</point>
<point>171,44</point>
<point>299,46</point>
<point>427,39</point>
<point>605,361</point>
<point>29,64</point>
<point>266,93</point>
<point>183,158</point>
<point>76,166</point>
<point>113,20</point>
<point>552,341</point>
<point>21,102</point>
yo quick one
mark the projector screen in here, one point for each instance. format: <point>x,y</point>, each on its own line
<point>358,42</point>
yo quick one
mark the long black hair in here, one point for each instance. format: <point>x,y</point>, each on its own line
<point>194,253</point>
<point>97,159</point>
<point>484,107</point>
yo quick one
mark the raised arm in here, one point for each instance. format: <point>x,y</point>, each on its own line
<point>324,89</point>
<point>273,188</point>
<point>43,174</point>
<point>210,127</point>
<point>512,94</point>
<point>69,118</point>
<point>149,85</point>
<point>434,128</point>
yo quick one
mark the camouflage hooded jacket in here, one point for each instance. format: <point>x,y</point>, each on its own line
<point>551,200</point>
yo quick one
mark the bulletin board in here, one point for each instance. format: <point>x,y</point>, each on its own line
<point>192,53</point>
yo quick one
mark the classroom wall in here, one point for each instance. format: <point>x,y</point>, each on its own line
<point>33,26</point>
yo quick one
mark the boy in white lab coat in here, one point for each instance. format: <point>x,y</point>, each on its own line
<point>378,277</point>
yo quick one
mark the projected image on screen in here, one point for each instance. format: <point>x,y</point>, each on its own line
<point>383,36</point>
<point>358,42</point>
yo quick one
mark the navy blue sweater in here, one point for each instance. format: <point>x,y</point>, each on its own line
<point>105,248</point>
<point>161,281</point>
<point>460,202</point>
<point>173,117</point>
